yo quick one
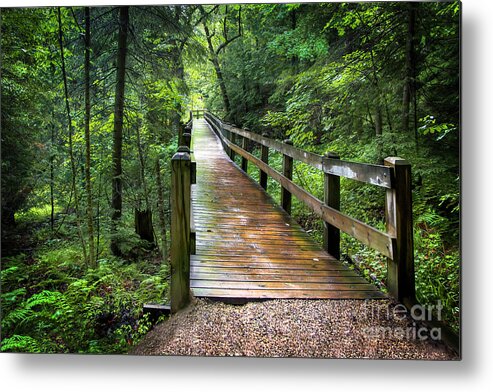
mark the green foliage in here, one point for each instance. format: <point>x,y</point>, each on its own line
<point>296,44</point>
<point>430,126</point>
<point>63,308</point>
<point>437,275</point>
<point>20,344</point>
<point>22,42</point>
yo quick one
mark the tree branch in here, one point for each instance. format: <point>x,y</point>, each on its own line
<point>226,40</point>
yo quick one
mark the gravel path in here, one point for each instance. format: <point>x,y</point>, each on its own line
<point>291,328</point>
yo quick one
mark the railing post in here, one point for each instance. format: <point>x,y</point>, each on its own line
<point>244,161</point>
<point>180,228</point>
<point>399,217</point>
<point>264,156</point>
<point>332,198</point>
<point>232,139</point>
<point>187,138</point>
<point>287,171</point>
<point>225,133</point>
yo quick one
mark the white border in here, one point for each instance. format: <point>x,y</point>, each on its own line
<point>473,373</point>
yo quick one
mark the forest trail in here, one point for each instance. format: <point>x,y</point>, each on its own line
<point>250,248</point>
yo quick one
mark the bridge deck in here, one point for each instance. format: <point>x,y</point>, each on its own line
<point>247,246</point>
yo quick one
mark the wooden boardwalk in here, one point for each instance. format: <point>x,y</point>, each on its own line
<point>247,247</point>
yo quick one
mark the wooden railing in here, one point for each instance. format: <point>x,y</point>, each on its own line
<point>197,113</point>
<point>396,243</point>
<point>182,231</point>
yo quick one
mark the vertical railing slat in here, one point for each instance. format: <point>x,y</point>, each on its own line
<point>244,161</point>
<point>287,171</point>
<point>264,156</point>
<point>332,198</point>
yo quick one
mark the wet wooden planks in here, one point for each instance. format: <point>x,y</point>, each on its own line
<point>247,246</point>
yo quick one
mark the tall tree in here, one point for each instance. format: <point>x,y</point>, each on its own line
<point>143,216</point>
<point>162,217</point>
<point>214,52</point>
<point>87,133</point>
<point>410,68</point>
<point>21,82</point>
<point>117,197</point>
<point>70,134</point>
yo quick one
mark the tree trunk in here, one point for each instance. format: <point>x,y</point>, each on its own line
<point>179,73</point>
<point>117,200</point>
<point>143,181</point>
<point>87,130</point>
<point>160,205</point>
<point>294,59</point>
<point>378,133</point>
<point>245,94</point>
<point>52,175</point>
<point>378,121</point>
<point>143,225</point>
<point>98,209</point>
<point>143,219</point>
<point>222,85</point>
<point>70,138</point>
<point>215,62</point>
<point>409,67</point>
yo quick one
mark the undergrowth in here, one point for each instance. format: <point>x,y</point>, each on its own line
<point>52,303</point>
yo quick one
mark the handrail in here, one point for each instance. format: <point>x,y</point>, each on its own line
<point>372,174</point>
<point>396,243</point>
<point>366,234</point>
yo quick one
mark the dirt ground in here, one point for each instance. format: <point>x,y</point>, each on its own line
<point>294,328</point>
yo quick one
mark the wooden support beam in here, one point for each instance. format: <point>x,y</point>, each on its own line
<point>156,310</point>
<point>180,228</point>
<point>287,171</point>
<point>232,138</point>
<point>187,138</point>
<point>225,133</point>
<point>264,156</point>
<point>332,198</point>
<point>244,161</point>
<point>193,233</point>
<point>193,172</point>
<point>399,219</point>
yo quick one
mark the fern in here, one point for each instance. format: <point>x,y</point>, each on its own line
<point>11,296</point>
<point>17,318</point>
<point>20,343</point>
<point>7,273</point>
<point>430,218</point>
<point>46,297</point>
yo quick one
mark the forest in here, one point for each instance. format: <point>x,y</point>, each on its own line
<point>93,100</point>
